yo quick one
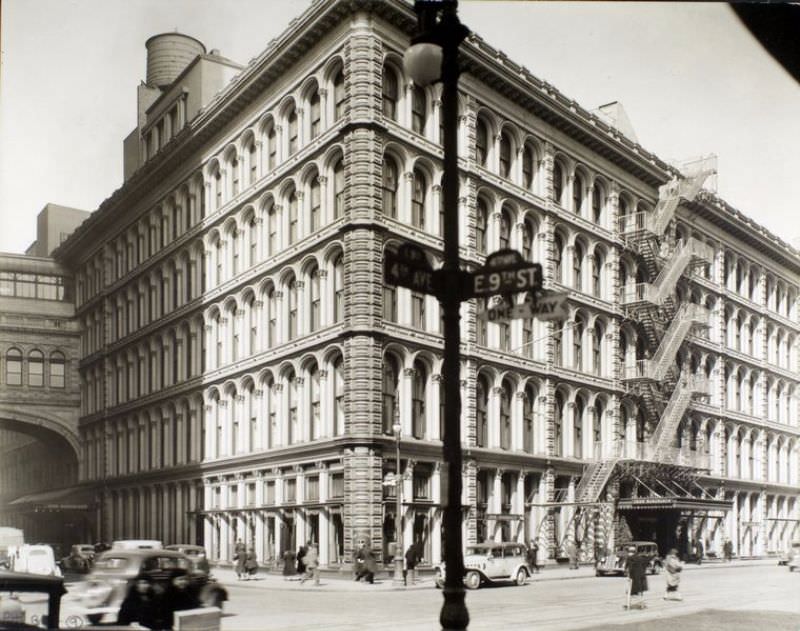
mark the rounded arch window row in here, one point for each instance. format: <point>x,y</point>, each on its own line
<point>151,439</point>
<point>296,208</point>
<point>34,368</point>
<point>316,104</point>
<point>293,302</point>
<point>294,402</point>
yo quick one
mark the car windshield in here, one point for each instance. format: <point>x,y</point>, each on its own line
<point>37,553</point>
<point>477,550</point>
<point>164,563</point>
<point>112,563</point>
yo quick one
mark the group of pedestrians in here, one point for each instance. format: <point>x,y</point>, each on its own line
<point>636,566</point>
<point>246,561</point>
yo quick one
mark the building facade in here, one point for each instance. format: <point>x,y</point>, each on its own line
<point>243,362</point>
<point>39,389</point>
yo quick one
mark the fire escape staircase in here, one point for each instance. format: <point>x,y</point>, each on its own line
<point>594,479</point>
<point>660,444</point>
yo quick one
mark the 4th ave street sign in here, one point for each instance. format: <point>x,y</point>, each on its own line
<point>505,272</point>
<point>546,307</point>
<point>410,268</point>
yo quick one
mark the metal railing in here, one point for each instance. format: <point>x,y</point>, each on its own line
<point>633,222</point>
<point>631,294</point>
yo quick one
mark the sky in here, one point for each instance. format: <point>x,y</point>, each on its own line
<point>691,78</point>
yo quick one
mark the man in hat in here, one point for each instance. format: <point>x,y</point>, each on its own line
<point>636,569</point>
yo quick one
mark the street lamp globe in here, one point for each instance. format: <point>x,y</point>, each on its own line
<point>423,63</point>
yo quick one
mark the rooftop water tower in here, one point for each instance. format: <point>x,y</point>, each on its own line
<point>168,54</point>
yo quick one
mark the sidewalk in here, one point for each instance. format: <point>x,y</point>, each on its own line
<point>344,582</point>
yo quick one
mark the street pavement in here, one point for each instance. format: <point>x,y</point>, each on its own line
<point>556,599</point>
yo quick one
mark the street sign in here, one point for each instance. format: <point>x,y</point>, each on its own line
<point>504,272</point>
<point>410,268</point>
<point>547,306</point>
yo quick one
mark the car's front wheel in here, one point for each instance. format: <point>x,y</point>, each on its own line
<point>472,580</point>
<point>522,576</point>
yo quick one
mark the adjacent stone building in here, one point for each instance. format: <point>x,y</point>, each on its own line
<point>243,362</point>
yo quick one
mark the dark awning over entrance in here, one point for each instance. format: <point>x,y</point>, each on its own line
<point>79,498</point>
<point>697,504</point>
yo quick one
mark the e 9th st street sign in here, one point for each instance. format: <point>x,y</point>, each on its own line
<point>505,272</point>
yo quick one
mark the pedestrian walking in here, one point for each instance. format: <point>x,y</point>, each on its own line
<point>530,556</point>
<point>250,563</point>
<point>674,567</point>
<point>301,565</point>
<point>698,550</point>
<point>239,558</point>
<point>572,553</point>
<point>289,568</point>
<point>364,563</point>
<point>727,550</point>
<point>413,557</point>
<point>636,570</point>
<point>311,560</point>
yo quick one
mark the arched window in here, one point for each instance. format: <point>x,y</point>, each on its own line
<point>558,423</point>
<point>482,416</point>
<point>529,420</point>
<point>597,267</point>
<point>577,433</point>
<point>252,237</point>
<point>314,430</point>
<point>390,183</point>
<point>233,239</point>
<point>558,249</point>
<point>293,216</point>
<point>338,189</point>
<point>272,148</point>
<point>291,381</point>
<point>252,163</point>
<point>481,142</point>
<point>292,297</point>
<point>577,265</point>
<point>315,203</point>
<point>291,122</point>
<point>558,183</point>
<point>480,226</point>
<point>418,400</point>
<point>418,200</point>
<point>578,191</point>
<point>338,289</point>
<point>599,332</point>
<point>505,415</point>
<point>597,203</point>
<point>390,93</point>
<point>272,230</point>
<point>597,428</point>
<point>57,370</point>
<point>577,341</point>
<point>234,176</point>
<point>391,385</point>
<point>419,110</point>
<point>14,367</point>
<point>527,241</point>
<point>315,114</point>
<point>505,154</point>
<point>314,319</point>
<point>272,315</point>
<point>338,397</point>
<point>36,369</point>
<point>505,229</point>
<point>389,303</point>
<point>528,166</point>
<point>339,95</point>
<point>418,310</point>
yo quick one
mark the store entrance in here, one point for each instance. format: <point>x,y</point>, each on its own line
<point>661,526</point>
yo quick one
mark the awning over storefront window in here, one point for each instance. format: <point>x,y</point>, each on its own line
<point>695,504</point>
<point>77,498</point>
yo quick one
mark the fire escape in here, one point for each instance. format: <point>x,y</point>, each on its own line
<point>663,390</point>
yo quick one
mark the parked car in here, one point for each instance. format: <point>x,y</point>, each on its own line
<point>196,554</point>
<point>136,544</point>
<point>80,559</point>
<point>490,562</point>
<point>794,557</point>
<point>614,564</point>
<point>37,613</point>
<point>785,556</point>
<point>116,570</point>
<point>34,559</point>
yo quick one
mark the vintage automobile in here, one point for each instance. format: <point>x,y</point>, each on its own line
<point>490,562</point>
<point>34,559</point>
<point>41,613</point>
<point>116,570</point>
<point>786,555</point>
<point>614,564</point>
<point>196,554</point>
<point>80,559</point>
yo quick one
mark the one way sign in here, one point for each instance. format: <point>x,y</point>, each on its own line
<point>546,307</point>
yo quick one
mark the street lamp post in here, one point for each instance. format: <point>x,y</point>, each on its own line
<point>433,56</point>
<point>398,489</point>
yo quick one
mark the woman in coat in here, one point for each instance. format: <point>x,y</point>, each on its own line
<point>250,563</point>
<point>674,567</point>
<point>240,558</point>
<point>636,566</point>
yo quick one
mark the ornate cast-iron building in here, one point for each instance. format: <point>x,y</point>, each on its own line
<point>243,362</point>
